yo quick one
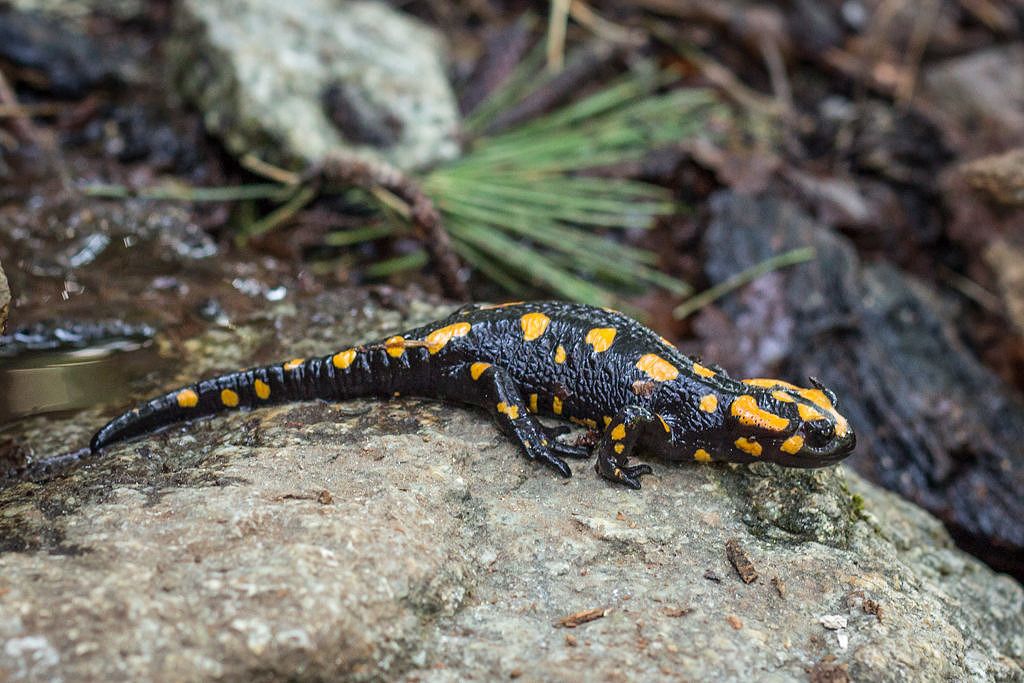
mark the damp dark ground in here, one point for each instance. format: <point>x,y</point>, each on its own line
<point>895,128</point>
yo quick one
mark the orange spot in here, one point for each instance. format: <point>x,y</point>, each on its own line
<point>560,354</point>
<point>262,389</point>
<point>769,383</point>
<point>228,398</point>
<point>817,397</point>
<point>556,405</point>
<point>188,398</point>
<point>657,368</point>
<point>395,346</point>
<point>489,307</point>
<point>601,338</point>
<point>619,433</point>
<point>746,410</point>
<point>709,403</point>
<point>293,363</point>
<point>607,420</point>
<point>533,403</point>
<point>344,359</point>
<point>667,343</point>
<point>748,446</point>
<point>665,424</point>
<point>512,411</point>
<point>701,455</point>
<point>534,325</point>
<point>809,414</point>
<point>437,339</point>
<point>699,369</point>
<point>585,421</point>
<point>792,445</point>
<point>619,447</point>
<point>477,369</point>
<point>780,395</point>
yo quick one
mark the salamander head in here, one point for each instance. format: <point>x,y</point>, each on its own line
<point>756,419</point>
<point>795,426</point>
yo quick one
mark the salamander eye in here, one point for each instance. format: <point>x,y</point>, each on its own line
<point>818,433</point>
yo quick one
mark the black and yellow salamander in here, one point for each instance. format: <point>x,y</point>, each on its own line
<point>592,366</point>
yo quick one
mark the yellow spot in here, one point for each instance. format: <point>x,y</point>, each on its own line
<point>619,447</point>
<point>792,445</point>
<point>262,389</point>
<point>699,369</point>
<point>556,405</point>
<point>395,346</point>
<point>619,433</point>
<point>188,398</point>
<point>701,455</point>
<point>746,410</point>
<point>489,307</point>
<point>667,343</point>
<point>709,403</point>
<point>769,383</point>
<point>293,363</point>
<point>512,411</point>
<point>344,359</point>
<point>617,473</point>
<point>533,403</point>
<point>228,398</point>
<point>817,397</point>
<point>601,338</point>
<point>607,420</point>
<point>437,339</point>
<point>477,369</point>
<point>780,395</point>
<point>534,325</point>
<point>809,414</point>
<point>748,446</point>
<point>665,424</point>
<point>585,421</point>
<point>657,368</point>
<point>560,354</point>
<point>842,426</point>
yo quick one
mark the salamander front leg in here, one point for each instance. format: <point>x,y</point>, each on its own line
<point>618,441</point>
<point>495,390</point>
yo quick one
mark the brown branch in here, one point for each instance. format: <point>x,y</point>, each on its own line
<point>381,179</point>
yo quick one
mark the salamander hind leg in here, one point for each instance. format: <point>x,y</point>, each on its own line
<point>494,390</point>
<point>618,441</point>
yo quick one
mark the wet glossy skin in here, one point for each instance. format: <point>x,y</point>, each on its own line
<point>589,365</point>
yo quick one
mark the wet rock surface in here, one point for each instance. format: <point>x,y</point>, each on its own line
<point>291,82</point>
<point>932,422</point>
<point>408,540</point>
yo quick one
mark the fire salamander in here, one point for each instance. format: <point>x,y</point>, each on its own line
<point>592,366</point>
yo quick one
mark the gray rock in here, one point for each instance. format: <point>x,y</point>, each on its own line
<point>292,81</point>
<point>408,540</point>
<point>982,94</point>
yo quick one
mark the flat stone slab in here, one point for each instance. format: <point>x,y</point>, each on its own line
<point>408,540</point>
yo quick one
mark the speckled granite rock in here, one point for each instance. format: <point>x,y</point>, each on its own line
<point>407,540</point>
<point>292,81</point>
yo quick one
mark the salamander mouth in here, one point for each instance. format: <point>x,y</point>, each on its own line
<point>831,452</point>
